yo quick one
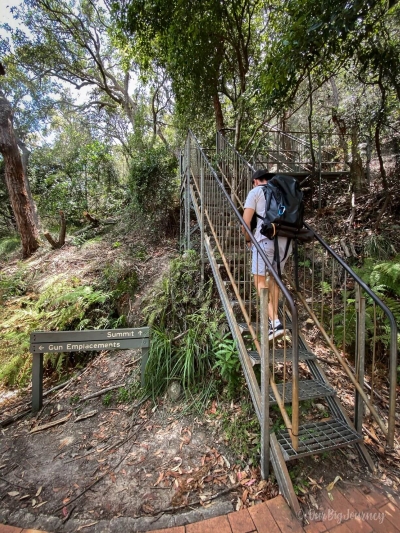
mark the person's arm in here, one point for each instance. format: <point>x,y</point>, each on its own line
<point>247,216</point>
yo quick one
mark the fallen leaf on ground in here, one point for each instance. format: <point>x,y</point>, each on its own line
<point>40,504</point>
<point>87,525</point>
<point>331,485</point>
<point>160,477</point>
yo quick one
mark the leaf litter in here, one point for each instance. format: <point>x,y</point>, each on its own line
<point>125,461</point>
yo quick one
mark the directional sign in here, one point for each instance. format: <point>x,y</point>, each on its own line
<point>95,340</point>
<point>89,335</point>
<point>87,346</point>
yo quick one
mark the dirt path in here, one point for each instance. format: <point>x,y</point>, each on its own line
<point>143,464</point>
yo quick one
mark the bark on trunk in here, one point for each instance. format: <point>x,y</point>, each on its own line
<point>61,238</point>
<point>25,159</point>
<point>339,122</point>
<point>15,180</point>
<point>219,117</point>
<point>356,167</point>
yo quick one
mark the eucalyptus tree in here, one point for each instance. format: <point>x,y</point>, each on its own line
<point>73,41</point>
<point>69,40</point>
<point>15,181</point>
<point>76,171</point>
<point>33,101</point>
<point>208,48</point>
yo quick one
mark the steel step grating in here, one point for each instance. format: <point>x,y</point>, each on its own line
<point>244,328</point>
<point>278,356</point>
<point>309,389</point>
<point>317,437</point>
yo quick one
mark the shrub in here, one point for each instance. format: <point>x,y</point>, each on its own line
<point>154,189</point>
<point>64,305</point>
<point>186,322</point>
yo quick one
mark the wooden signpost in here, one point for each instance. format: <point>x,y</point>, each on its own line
<point>96,340</point>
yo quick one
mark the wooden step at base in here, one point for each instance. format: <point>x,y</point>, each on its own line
<point>318,437</point>
<point>278,356</point>
<point>309,389</point>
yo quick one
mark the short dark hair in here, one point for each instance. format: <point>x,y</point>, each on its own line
<point>262,174</point>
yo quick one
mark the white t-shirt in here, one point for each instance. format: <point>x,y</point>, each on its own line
<point>256,200</point>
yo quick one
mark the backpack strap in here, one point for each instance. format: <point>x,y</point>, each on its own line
<point>277,259</point>
<point>296,264</point>
<point>287,247</point>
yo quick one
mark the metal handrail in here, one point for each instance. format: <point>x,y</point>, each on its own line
<point>393,331</point>
<point>291,305</point>
<point>390,430</point>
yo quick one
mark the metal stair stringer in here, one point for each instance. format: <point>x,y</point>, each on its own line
<point>250,377</point>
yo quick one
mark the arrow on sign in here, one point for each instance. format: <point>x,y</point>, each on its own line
<point>41,347</point>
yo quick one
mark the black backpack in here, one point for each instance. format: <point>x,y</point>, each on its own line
<point>284,210</point>
<point>284,214</point>
<point>284,207</point>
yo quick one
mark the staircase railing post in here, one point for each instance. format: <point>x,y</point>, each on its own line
<point>319,171</point>
<point>368,162</point>
<point>182,200</point>
<point>264,383</point>
<point>187,196</point>
<point>360,363</point>
<point>202,221</point>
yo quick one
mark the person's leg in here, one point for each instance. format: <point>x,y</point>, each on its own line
<point>273,300</point>
<point>258,270</point>
<point>259,282</point>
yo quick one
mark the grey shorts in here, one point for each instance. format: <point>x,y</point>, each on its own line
<point>258,266</point>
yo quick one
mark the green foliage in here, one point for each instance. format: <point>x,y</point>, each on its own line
<point>378,246</point>
<point>228,363</point>
<point>74,399</point>
<point>8,245</point>
<point>86,236</point>
<point>185,324</point>
<point>120,278</point>
<point>325,287</point>
<point>76,173</point>
<point>13,285</point>
<point>242,432</point>
<point>129,393</point>
<point>108,399</point>
<point>154,189</point>
<point>384,280</point>
<point>312,36</point>
<point>64,305</point>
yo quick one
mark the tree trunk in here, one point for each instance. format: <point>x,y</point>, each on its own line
<point>338,121</point>
<point>25,159</point>
<point>15,180</point>
<point>219,117</point>
<point>357,175</point>
<point>61,238</point>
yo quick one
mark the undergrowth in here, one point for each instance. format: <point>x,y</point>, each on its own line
<point>187,326</point>
<point>242,432</point>
<point>8,245</point>
<point>384,279</point>
<point>64,305</point>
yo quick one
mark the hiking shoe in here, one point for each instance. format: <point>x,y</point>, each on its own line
<point>275,332</point>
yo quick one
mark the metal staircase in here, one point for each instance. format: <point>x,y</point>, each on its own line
<point>297,154</point>
<point>319,287</point>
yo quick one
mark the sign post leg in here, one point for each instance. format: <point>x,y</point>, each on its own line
<point>145,356</point>
<point>37,382</point>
